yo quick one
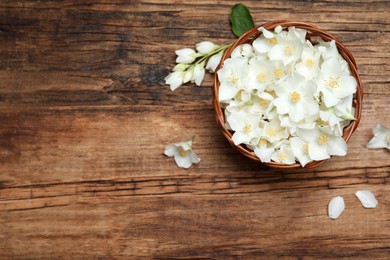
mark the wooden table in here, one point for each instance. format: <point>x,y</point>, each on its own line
<point>85,116</point>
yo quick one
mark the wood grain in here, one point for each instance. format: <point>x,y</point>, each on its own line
<point>85,117</point>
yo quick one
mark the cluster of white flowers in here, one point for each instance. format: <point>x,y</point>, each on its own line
<point>191,64</point>
<point>287,99</point>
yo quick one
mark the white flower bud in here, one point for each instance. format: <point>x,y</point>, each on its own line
<point>174,80</point>
<point>181,67</point>
<point>205,47</point>
<point>185,55</point>
<point>214,61</point>
<point>199,74</point>
<point>188,75</point>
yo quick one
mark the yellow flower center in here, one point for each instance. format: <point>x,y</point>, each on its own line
<point>332,82</point>
<point>323,139</point>
<point>262,142</point>
<point>272,41</point>
<point>233,80</point>
<point>306,148</point>
<point>282,156</point>
<point>278,73</point>
<point>271,132</point>
<point>239,95</point>
<point>388,139</point>
<point>263,103</point>
<point>321,122</point>
<point>183,152</point>
<point>261,77</point>
<point>294,97</point>
<point>309,63</point>
<point>247,128</point>
<point>289,50</point>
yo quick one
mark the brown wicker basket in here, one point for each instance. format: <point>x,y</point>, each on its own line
<point>313,33</point>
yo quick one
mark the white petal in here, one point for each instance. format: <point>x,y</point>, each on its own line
<point>194,157</point>
<point>170,150</point>
<point>276,53</point>
<point>347,87</point>
<point>309,135</point>
<point>183,161</point>
<point>337,146</point>
<point>261,45</point>
<point>282,105</point>
<point>267,34</point>
<point>378,142</point>
<point>367,198</point>
<point>380,129</point>
<point>240,138</point>
<point>297,113</point>
<point>330,99</point>
<point>264,154</point>
<point>318,152</point>
<point>336,207</point>
<point>227,92</point>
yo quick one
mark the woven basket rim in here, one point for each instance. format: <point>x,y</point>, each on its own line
<point>313,31</point>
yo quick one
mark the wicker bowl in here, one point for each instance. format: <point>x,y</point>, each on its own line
<point>313,34</point>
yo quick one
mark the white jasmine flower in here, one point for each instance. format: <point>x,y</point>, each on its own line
<point>309,65</point>
<point>214,61</point>
<point>328,118</point>
<point>292,126</point>
<point>283,155</point>
<point>273,131</point>
<point>185,55</point>
<point>232,77</point>
<point>260,74</point>
<point>199,73</point>
<point>381,138</point>
<point>205,47</point>
<point>243,51</point>
<point>322,143</point>
<point>367,198</point>
<point>333,84</point>
<point>344,108</point>
<point>300,150</point>
<point>329,50</point>
<point>265,41</point>
<point>262,103</point>
<point>264,150</point>
<point>174,79</point>
<point>183,154</point>
<point>245,125</point>
<point>336,207</point>
<point>280,71</point>
<point>288,48</point>
<point>295,98</point>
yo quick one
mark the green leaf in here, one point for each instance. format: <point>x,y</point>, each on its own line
<point>241,19</point>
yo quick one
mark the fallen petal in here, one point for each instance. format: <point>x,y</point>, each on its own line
<point>336,207</point>
<point>367,198</point>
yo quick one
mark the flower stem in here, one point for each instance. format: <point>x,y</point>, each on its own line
<point>217,50</point>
